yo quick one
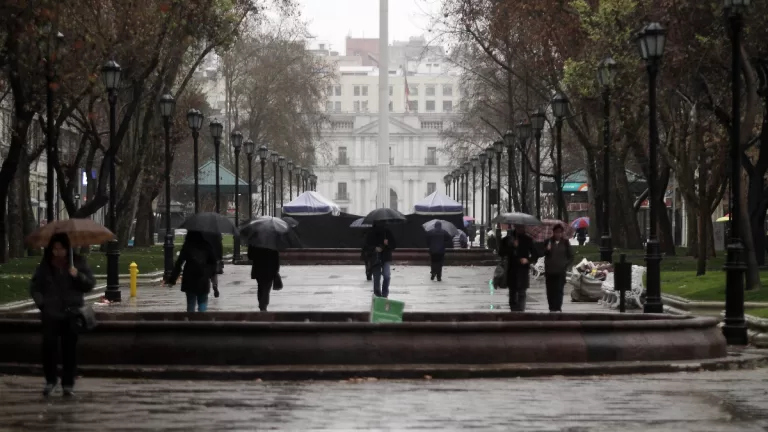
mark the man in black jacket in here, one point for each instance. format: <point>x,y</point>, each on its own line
<point>557,257</point>
<point>437,237</point>
<point>379,244</point>
<point>519,251</point>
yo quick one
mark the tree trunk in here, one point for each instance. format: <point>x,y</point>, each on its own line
<point>145,219</point>
<point>21,123</point>
<point>625,230</point>
<point>752,276</point>
<point>16,247</point>
<point>666,239</point>
<point>704,225</point>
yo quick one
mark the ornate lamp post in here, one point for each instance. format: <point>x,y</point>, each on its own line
<point>475,161</point>
<point>290,180</point>
<point>249,149</point>
<point>167,104</point>
<point>236,138</point>
<point>50,144</point>
<point>298,170</point>
<point>281,163</point>
<point>735,328</point>
<point>466,168</point>
<point>304,177</point>
<point>509,143</point>
<point>263,154</point>
<point>652,40</point>
<point>537,123</point>
<point>523,133</point>
<point>274,156</point>
<point>482,157</point>
<point>195,122</point>
<point>313,181</point>
<point>559,108</point>
<point>498,147</point>
<point>216,130</point>
<point>455,177</point>
<point>447,179</point>
<point>110,73</point>
<point>606,73</point>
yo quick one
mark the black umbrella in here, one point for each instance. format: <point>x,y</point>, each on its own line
<point>270,233</point>
<point>384,216</point>
<point>293,223</point>
<point>211,223</point>
<point>516,219</point>
<point>358,223</point>
<point>447,226</point>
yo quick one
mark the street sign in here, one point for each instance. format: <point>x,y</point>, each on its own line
<point>386,310</point>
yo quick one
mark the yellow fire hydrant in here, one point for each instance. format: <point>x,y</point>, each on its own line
<point>134,278</point>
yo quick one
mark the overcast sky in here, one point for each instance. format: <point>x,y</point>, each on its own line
<point>331,21</point>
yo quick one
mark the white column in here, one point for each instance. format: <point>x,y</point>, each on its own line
<point>382,195</point>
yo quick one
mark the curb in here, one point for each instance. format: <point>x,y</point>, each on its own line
<point>734,361</point>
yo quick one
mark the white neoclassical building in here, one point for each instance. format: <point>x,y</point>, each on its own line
<point>423,98</point>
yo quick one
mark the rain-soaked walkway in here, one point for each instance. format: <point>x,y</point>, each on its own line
<point>344,288</point>
<point>707,401</point>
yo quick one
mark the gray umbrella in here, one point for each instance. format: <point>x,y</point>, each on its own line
<point>446,226</point>
<point>516,219</point>
<point>384,216</point>
<point>358,223</point>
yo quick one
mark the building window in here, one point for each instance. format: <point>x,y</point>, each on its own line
<point>391,90</point>
<point>390,106</point>
<point>365,106</point>
<point>430,106</point>
<point>431,188</point>
<point>447,90</point>
<point>356,105</point>
<point>344,209</point>
<point>337,106</point>
<point>365,90</point>
<point>430,90</point>
<point>356,91</point>
<point>343,156</point>
<point>360,90</point>
<point>413,90</point>
<point>329,90</point>
<point>341,192</point>
<point>447,106</point>
<point>329,106</point>
<point>413,106</point>
<point>337,90</point>
<point>431,156</point>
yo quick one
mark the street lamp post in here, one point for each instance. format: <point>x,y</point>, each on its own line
<point>249,149</point>
<point>50,145</point>
<point>110,74</point>
<point>274,156</point>
<point>290,180</point>
<point>509,143</point>
<point>216,129</point>
<point>167,104</point>
<point>498,147</point>
<point>447,180</point>
<point>304,177</point>
<point>195,122</point>
<point>606,72</point>
<point>537,123</point>
<point>652,40</point>
<point>281,163</point>
<point>524,132</point>
<point>559,108</point>
<point>735,328</point>
<point>467,168</point>
<point>482,157</point>
<point>263,154</point>
<point>236,139</point>
<point>455,177</point>
<point>475,161</point>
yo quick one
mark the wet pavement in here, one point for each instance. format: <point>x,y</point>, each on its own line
<point>344,288</point>
<point>706,401</point>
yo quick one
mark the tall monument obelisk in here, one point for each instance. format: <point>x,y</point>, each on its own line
<point>382,188</point>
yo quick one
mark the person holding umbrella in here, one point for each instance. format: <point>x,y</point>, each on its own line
<point>437,237</point>
<point>199,261</point>
<point>519,251</point>
<point>558,256</point>
<point>379,244</point>
<point>57,288</point>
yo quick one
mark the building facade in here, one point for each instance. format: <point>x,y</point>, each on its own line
<point>423,99</point>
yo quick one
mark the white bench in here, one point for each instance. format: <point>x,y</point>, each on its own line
<point>633,296</point>
<point>537,269</point>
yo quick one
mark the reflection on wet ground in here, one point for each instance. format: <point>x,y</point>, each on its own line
<point>707,401</point>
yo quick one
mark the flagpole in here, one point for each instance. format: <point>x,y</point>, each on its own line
<point>382,195</point>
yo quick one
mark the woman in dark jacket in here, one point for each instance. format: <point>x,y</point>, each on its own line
<point>265,264</point>
<point>57,288</point>
<point>519,251</point>
<point>200,258</point>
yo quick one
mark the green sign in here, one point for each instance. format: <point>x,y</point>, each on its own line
<point>386,310</point>
<point>575,187</point>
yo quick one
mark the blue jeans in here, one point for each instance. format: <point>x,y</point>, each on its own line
<point>201,300</point>
<point>378,271</point>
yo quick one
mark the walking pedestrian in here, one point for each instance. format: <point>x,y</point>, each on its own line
<point>379,244</point>
<point>519,252</point>
<point>558,256</point>
<point>57,288</point>
<point>437,237</point>
<point>265,265</point>
<point>581,236</point>
<point>198,259</point>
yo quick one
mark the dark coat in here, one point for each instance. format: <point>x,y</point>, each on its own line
<point>55,290</point>
<point>559,257</point>
<point>437,239</point>
<point>375,238</point>
<point>200,258</point>
<point>517,273</point>
<point>265,263</point>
